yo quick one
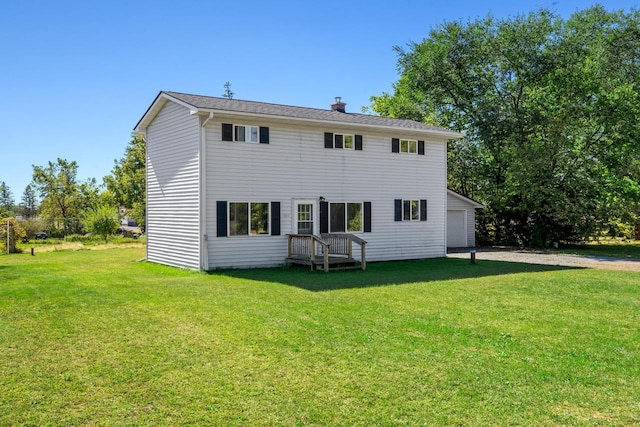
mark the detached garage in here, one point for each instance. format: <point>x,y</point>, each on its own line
<point>461,220</point>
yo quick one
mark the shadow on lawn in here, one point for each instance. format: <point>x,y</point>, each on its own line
<point>386,273</point>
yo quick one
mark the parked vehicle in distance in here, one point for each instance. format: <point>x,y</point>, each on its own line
<point>129,228</point>
<point>40,235</point>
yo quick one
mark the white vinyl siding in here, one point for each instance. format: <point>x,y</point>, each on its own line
<point>295,165</point>
<point>173,188</point>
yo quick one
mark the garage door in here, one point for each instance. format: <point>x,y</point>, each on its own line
<point>456,229</point>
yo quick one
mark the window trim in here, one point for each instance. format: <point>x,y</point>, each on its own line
<point>417,211</point>
<point>408,144</point>
<point>411,146</point>
<point>247,132</point>
<point>249,203</point>
<point>346,216</point>
<point>344,141</point>
<point>414,210</point>
<point>230,130</point>
<point>338,141</point>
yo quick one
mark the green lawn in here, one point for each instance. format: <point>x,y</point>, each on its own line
<point>95,338</point>
<point>609,248</point>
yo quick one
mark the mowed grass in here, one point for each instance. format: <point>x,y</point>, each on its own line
<point>605,248</point>
<point>95,338</point>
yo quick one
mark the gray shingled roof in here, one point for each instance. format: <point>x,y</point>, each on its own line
<point>263,108</point>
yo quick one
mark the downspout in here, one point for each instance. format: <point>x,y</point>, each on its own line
<point>204,239</point>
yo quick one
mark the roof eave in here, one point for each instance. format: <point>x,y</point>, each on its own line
<point>163,97</point>
<point>472,202</point>
<point>154,109</point>
<point>444,133</point>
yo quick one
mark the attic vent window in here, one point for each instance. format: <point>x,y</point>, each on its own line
<point>338,105</point>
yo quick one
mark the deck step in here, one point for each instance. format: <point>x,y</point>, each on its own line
<point>335,263</point>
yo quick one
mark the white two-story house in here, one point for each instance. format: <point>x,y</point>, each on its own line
<point>228,180</point>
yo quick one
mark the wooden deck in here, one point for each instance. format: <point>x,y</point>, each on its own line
<point>334,262</point>
<point>333,251</point>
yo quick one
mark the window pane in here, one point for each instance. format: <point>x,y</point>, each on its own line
<point>406,210</point>
<point>305,219</point>
<point>238,219</point>
<point>252,134</point>
<point>415,210</point>
<point>259,218</point>
<point>337,217</point>
<point>239,133</point>
<point>339,141</point>
<point>404,146</point>
<point>354,217</point>
<point>413,146</point>
<point>348,141</point>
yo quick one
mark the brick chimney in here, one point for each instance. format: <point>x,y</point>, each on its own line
<point>338,105</point>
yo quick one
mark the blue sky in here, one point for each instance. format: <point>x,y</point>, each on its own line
<point>75,76</point>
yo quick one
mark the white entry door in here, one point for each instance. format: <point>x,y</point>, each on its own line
<point>304,216</point>
<point>456,229</point>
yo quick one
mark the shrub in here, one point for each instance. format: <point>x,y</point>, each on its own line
<point>102,220</point>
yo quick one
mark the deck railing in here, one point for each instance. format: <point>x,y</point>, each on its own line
<point>304,246</point>
<point>309,247</point>
<point>342,244</point>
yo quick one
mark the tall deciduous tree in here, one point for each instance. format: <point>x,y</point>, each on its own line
<point>126,185</point>
<point>63,198</point>
<point>550,111</point>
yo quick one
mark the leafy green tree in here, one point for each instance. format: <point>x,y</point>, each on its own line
<point>101,220</point>
<point>63,197</point>
<point>12,227</point>
<point>126,186</point>
<point>549,109</point>
<point>6,200</point>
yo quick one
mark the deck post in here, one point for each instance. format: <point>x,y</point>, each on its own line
<point>326,260</point>
<point>363,262</point>
<point>312,250</point>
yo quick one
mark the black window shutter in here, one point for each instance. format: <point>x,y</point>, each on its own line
<point>395,145</point>
<point>275,218</point>
<point>421,148</point>
<point>328,140</point>
<point>339,139</point>
<point>264,135</point>
<point>324,217</point>
<point>367,217</point>
<point>359,142</point>
<point>221,211</point>
<point>397,210</point>
<point>423,210</point>
<point>227,132</point>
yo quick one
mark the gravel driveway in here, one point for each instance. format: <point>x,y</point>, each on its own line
<point>550,258</point>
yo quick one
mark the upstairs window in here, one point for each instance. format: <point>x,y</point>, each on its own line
<point>343,141</point>
<point>245,133</point>
<point>408,146</point>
